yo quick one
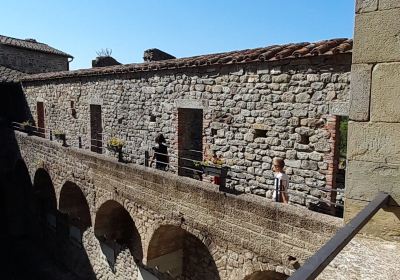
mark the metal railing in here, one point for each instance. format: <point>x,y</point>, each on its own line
<point>227,172</point>
<point>316,264</point>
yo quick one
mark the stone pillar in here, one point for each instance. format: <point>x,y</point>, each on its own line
<point>374,128</point>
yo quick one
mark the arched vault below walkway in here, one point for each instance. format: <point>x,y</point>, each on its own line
<point>181,254</point>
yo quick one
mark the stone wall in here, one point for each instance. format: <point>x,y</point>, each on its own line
<point>243,234</point>
<point>252,113</point>
<point>29,61</point>
<point>373,147</point>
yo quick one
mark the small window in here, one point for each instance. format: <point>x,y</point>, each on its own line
<point>304,139</point>
<point>73,111</point>
<point>260,133</point>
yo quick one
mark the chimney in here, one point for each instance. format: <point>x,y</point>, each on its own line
<point>103,61</point>
<point>156,55</point>
<point>31,40</point>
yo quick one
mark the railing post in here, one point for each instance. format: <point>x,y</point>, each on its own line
<point>146,158</point>
<point>224,174</point>
<point>277,190</point>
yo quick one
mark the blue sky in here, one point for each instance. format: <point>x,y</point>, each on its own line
<point>180,27</point>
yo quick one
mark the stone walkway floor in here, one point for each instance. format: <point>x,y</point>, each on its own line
<point>364,259</point>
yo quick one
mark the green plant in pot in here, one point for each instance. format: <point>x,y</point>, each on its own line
<point>27,126</point>
<point>115,145</point>
<point>60,135</point>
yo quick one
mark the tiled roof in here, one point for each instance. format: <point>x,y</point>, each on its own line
<point>30,44</point>
<point>8,75</point>
<point>271,53</point>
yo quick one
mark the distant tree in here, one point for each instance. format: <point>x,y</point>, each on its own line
<point>104,53</point>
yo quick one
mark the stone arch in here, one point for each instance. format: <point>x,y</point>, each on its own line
<point>266,275</point>
<point>116,230</point>
<point>73,220</point>
<point>73,204</point>
<point>45,198</point>
<point>180,253</point>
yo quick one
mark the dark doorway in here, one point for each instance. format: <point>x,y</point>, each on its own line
<point>341,160</point>
<point>190,141</point>
<point>96,129</point>
<point>40,118</point>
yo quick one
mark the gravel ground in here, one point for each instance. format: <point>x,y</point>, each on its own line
<point>363,259</point>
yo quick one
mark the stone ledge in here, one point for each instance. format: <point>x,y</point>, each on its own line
<point>339,108</point>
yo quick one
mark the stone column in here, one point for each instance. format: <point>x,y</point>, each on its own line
<point>374,128</point>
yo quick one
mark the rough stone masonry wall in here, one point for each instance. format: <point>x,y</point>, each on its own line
<point>374,146</point>
<point>29,61</point>
<point>243,234</point>
<point>252,113</point>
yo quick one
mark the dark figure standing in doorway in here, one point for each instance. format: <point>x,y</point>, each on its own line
<point>160,153</point>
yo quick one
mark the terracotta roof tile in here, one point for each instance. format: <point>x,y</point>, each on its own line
<point>271,53</point>
<point>31,44</point>
<point>8,75</point>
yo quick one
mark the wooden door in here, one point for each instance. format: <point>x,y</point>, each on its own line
<point>96,129</point>
<point>40,119</point>
<point>190,141</point>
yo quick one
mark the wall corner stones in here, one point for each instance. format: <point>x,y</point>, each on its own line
<point>373,146</point>
<point>388,4</point>
<point>385,106</point>
<point>363,6</point>
<point>378,34</point>
<point>360,92</point>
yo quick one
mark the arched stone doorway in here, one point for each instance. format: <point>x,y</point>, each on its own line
<point>73,219</point>
<point>266,275</point>
<point>45,199</point>
<point>175,251</point>
<point>76,210</point>
<point>115,230</point>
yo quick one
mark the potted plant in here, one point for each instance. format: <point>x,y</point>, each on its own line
<point>59,135</point>
<point>212,165</point>
<point>115,145</point>
<point>27,127</point>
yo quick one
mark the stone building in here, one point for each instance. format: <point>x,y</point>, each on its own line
<point>20,57</point>
<point>30,56</point>
<point>248,106</point>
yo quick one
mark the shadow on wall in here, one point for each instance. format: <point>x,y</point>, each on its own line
<point>28,211</point>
